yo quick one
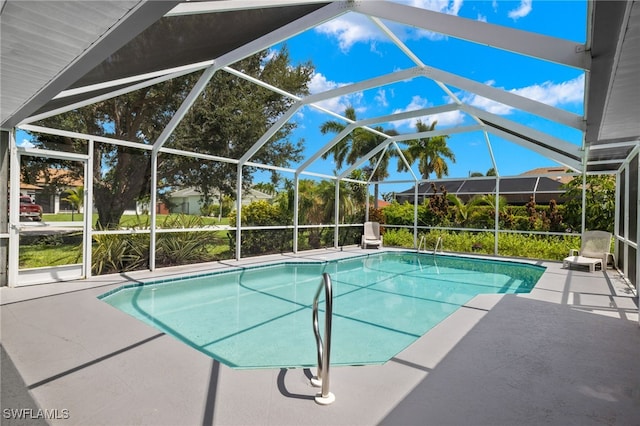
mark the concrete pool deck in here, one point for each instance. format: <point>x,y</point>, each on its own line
<point>567,353</point>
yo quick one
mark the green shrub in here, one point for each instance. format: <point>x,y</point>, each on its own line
<point>348,236</point>
<point>209,209</point>
<point>465,242</point>
<point>398,214</point>
<point>181,248</point>
<point>261,213</point>
<point>600,198</point>
<point>532,246</point>
<point>398,238</point>
<point>122,253</point>
<point>475,214</point>
<point>119,253</point>
<point>537,246</point>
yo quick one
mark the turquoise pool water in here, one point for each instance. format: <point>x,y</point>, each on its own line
<point>260,317</point>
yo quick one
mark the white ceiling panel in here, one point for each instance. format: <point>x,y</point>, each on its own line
<point>621,118</point>
<point>49,44</point>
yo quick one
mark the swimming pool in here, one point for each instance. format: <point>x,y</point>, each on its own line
<point>260,317</point>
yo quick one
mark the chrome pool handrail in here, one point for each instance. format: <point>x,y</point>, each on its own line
<point>422,240</point>
<point>324,348</point>
<point>438,242</point>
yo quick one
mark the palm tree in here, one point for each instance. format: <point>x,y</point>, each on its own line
<point>326,191</point>
<point>503,207</point>
<point>431,153</point>
<point>492,199</point>
<point>465,211</point>
<point>357,191</point>
<point>310,209</point>
<point>75,197</point>
<point>341,150</point>
<point>356,144</point>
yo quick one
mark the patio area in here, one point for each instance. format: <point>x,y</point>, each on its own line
<point>564,354</point>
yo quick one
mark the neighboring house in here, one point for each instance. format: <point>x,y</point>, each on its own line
<point>189,200</point>
<point>50,190</point>
<point>30,190</point>
<point>517,190</point>
<point>55,183</point>
<point>53,191</point>
<point>382,203</point>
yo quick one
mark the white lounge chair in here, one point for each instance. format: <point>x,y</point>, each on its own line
<point>371,236</point>
<point>593,251</point>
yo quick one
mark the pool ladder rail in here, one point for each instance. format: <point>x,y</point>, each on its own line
<point>321,380</point>
<point>423,241</point>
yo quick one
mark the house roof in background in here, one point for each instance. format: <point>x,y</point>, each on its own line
<point>193,192</point>
<point>517,190</point>
<point>560,173</point>
<point>28,186</point>
<point>58,177</point>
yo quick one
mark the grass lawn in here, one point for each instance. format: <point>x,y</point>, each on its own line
<point>65,248</point>
<point>40,255</point>
<point>37,255</point>
<point>127,220</point>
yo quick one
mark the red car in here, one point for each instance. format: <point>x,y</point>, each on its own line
<point>29,210</point>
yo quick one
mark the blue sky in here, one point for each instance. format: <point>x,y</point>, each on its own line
<point>351,48</point>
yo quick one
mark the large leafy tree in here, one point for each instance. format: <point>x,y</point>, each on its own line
<point>227,119</point>
<point>431,153</point>
<point>230,116</point>
<point>121,174</point>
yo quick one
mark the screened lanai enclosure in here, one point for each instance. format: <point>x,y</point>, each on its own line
<point>111,110</point>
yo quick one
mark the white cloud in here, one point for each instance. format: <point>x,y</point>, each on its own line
<point>353,28</point>
<point>26,143</point>
<point>521,11</point>
<point>445,6</point>
<point>444,119</point>
<point>554,94</point>
<point>381,98</point>
<point>489,105</point>
<point>350,29</point>
<point>320,84</point>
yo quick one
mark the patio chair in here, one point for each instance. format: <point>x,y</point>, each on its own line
<point>593,251</point>
<point>371,236</point>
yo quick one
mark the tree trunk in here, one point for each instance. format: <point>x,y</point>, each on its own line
<point>376,195</point>
<point>110,210</point>
<point>130,178</point>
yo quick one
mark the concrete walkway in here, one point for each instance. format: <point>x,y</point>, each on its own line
<point>565,354</point>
